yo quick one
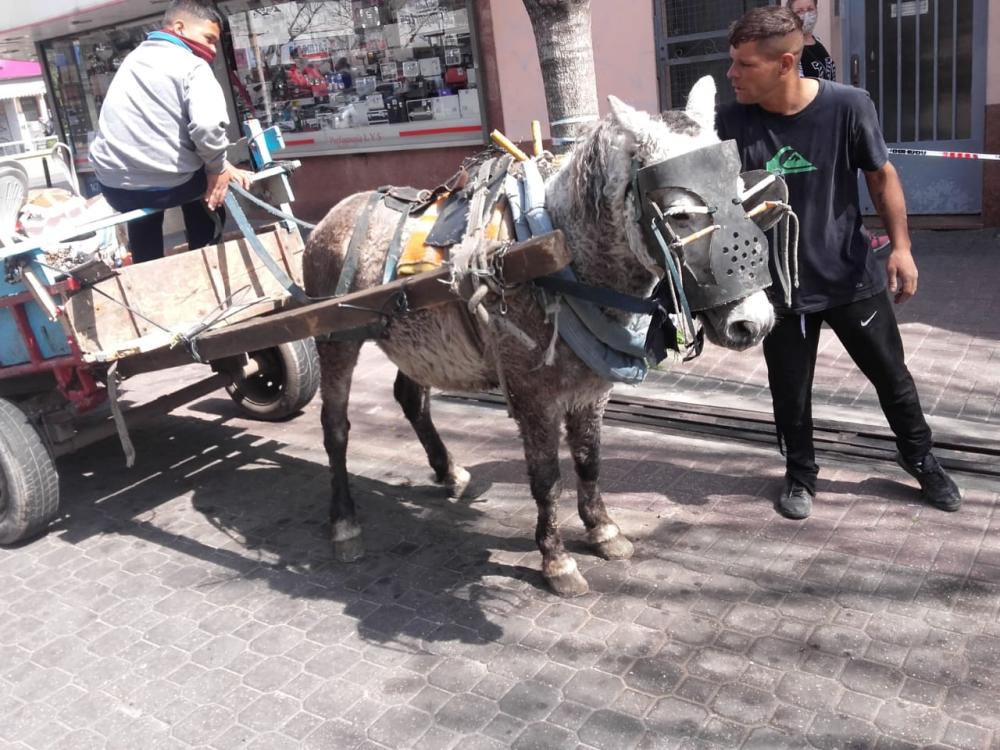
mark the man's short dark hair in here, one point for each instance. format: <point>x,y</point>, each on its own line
<point>771,28</point>
<point>206,11</point>
<point>763,24</point>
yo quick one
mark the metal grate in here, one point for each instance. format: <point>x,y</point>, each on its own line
<point>692,42</point>
<point>919,68</point>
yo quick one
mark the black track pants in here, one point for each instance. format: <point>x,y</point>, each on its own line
<point>868,330</point>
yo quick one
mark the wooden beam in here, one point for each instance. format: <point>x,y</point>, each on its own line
<point>539,256</point>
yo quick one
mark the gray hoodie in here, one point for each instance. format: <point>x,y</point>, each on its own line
<point>163,119</point>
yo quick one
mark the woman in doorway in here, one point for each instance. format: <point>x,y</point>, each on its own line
<point>816,61</point>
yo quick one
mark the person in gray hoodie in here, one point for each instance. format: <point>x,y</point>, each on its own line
<point>161,137</point>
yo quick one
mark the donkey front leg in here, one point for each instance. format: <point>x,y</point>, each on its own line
<point>583,433</point>
<point>540,432</point>
<point>416,402</point>
<point>337,360</point>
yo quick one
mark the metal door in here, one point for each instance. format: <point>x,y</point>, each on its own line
<point>923,62</point>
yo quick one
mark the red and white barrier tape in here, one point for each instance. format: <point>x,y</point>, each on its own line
<point>944,154</point>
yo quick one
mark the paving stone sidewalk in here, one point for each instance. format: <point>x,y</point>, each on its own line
<point>951,335</point>
<point>191,601</point>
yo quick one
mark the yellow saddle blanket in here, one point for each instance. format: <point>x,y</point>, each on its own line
<point>418,256</point>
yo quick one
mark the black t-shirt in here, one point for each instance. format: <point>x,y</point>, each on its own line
<point>817,63</point>
<point>818,152</point>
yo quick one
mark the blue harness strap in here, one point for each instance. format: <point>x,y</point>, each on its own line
<point>277,271</point>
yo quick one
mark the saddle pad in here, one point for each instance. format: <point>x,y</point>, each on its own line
<point>419,256</point>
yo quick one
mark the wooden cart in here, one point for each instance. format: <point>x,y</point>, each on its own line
<point>66,340</point>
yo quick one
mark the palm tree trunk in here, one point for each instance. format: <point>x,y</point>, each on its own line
<point>566,54</point>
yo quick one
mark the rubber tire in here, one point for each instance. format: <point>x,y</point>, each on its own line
<point>29,483</point>
<point>287,382</point>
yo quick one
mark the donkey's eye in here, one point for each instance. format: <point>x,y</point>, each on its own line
<point>680,215</point>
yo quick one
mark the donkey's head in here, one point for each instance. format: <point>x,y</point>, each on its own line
<point>665,190</point>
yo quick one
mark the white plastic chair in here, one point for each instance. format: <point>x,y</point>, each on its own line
<point>13,194</point>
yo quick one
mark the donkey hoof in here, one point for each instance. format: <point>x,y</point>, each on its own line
<point>349,550</point>
<point>563,577</point>
<point>458,482</point>
<point>568,584</point>
<point>616,548</point>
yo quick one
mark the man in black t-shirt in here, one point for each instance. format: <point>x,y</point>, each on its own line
<point>816,135</point>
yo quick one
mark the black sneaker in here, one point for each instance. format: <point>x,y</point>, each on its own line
<point>796,501</point>
<point>936,486</point>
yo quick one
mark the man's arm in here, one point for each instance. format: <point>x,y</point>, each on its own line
<point>207,126</point>
<point>887,195</point>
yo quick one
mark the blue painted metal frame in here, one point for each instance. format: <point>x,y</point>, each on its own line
<point>50,335</point>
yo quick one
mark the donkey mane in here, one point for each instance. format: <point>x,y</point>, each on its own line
<point>591,178</point>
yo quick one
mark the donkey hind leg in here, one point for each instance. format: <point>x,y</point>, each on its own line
<point>540,432</point>
<point>337,361</point>
<point>583,433</point>
<point>416,402</point>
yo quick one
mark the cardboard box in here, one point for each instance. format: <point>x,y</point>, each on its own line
<point>446,107</point>
<point>468,103</point>
<point>430,66</point>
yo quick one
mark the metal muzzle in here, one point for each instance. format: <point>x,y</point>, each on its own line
<point>713,225</point>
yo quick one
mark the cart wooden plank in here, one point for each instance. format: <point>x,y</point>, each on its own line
<point>144,306</point>
<point>524,261</point>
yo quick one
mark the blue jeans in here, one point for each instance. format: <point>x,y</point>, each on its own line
<point>145,236</point>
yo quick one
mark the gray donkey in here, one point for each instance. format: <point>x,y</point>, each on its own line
<point>591,199</point>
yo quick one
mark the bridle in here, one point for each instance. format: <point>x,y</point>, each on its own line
<point>711,248</point>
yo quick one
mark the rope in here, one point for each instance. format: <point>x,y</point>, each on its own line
<point>223,310</point>
<point>789,252</point>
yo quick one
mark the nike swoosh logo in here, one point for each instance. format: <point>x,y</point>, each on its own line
<point>870,318</point>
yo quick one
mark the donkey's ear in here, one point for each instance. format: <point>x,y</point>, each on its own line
<point>619,109</point>
<point>701,103</point>
<point>628,118</point>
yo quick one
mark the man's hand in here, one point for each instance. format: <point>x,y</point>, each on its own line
<point>887,195</point>
<point>902,272</point>
<point>218,185</point>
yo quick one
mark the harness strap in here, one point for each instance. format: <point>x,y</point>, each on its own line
<point>598,295</point>
<point>495,185</point>
<point>293,289</point>
<point>395,247</point>
<point>268,207</point>
<point>350,268</point>
<point>399,198</point>
<point>677,289</point>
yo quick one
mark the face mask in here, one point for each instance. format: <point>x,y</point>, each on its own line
<point>203,51</point>
<point>808,21</point>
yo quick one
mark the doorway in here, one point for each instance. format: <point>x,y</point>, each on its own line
<point>923,63</point>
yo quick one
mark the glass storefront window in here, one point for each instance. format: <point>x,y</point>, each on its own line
<point>81,69</point>
<point>357,75</point>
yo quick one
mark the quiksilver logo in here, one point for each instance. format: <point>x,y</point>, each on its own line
<point>788,161</point>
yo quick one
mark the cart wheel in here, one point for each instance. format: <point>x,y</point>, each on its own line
<point>287,380</point>
<point>29,484</point>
